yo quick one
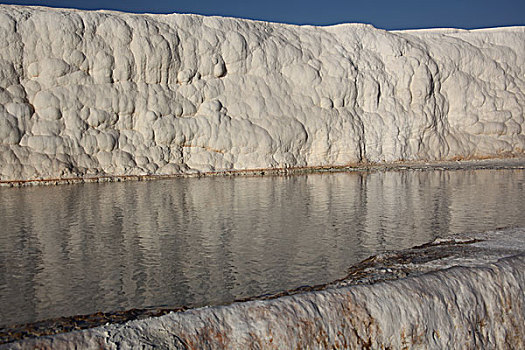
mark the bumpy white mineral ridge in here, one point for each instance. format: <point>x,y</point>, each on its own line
<point>106,93</point>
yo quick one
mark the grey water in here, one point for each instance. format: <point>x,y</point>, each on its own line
<point>79,249</point>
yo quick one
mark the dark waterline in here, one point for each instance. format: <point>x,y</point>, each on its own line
<point>80,249</point>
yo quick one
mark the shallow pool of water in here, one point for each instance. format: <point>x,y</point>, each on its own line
<point>79,249</point>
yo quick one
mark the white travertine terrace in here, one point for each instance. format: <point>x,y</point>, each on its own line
<point>467,296</point>
<point>104,93</point>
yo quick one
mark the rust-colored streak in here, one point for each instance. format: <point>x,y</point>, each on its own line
<point>209,149</point>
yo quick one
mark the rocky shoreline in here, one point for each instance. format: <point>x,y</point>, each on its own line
<point>471,164</point>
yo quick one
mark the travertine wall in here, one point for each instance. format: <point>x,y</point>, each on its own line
<point>95,93</point>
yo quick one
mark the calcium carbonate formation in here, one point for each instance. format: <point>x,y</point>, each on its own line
<point>104,93</point>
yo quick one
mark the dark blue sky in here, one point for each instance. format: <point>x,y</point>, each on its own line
<point>381,13</point>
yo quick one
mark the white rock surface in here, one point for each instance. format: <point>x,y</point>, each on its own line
<point>107,93</point>
<point>458,296</point>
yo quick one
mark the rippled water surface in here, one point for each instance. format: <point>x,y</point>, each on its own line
<point>79,249</point>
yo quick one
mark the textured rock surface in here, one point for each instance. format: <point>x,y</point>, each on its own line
<point>457,295</point>
<point>105,93</point>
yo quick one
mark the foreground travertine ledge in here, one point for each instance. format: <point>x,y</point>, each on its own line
<point>448,294</point>
<point>94,94</point>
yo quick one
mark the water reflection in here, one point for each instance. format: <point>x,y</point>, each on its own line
<point>78,249</point>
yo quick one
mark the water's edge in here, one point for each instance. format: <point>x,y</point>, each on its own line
<point>463,291</point>
<point>514,162</point>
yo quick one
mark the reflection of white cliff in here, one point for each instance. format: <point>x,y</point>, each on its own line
<point>91,93</point>
<point>210,240</point>
<point>495,184</point>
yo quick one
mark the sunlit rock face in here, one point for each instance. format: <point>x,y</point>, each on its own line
<point>105,93</point>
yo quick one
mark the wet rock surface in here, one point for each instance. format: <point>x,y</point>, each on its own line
<point>466,290</point>
<point>95,94</point>
<point>69,324</point>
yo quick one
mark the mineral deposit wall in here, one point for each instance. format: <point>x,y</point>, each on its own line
<point>106,93</point>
